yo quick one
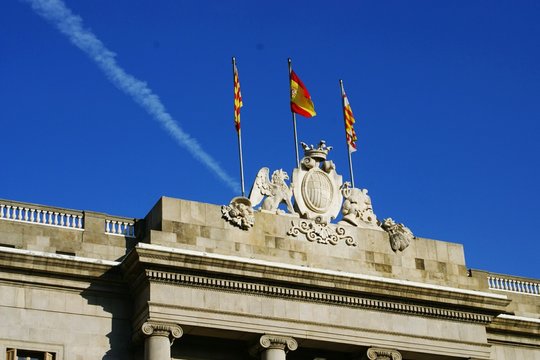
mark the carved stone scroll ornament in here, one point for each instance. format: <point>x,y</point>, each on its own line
<point>172,331</point>
<point>383,354</point>
<point>400,235</point>
<point>239,213</point>
<point>278,342</point>
<point>273,192</point>
<point>357,209</point>
<point>321,232</point>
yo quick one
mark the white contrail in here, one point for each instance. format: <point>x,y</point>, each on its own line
<point>71,25</point>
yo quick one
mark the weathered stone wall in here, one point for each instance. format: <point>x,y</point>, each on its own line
<point>75,319</point>
<point>85,306</point>
<point>198,226</point>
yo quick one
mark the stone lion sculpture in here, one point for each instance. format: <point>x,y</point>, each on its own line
<point>357,206</point>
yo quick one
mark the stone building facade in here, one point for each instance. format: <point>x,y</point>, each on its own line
<point>186,283</point>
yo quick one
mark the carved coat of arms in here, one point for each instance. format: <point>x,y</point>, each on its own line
<point>316,185</point>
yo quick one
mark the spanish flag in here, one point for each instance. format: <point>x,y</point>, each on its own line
<point>300,99</point>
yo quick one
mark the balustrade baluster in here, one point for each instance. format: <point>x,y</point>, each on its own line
<point>19,213</point>
<point>114,227</point>
<point>32,215</point>
<point>107,226</point>
<point>25,214</point>
<point>8,212</point>
<point>2,211</point>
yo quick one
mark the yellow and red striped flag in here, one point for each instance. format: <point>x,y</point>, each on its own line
<point>349,123</point>
<point>300,99</point>
<point>237,98</point>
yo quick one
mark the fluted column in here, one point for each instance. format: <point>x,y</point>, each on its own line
<point>275,347</point>
<point>382,354</point>
<point>159,338</point>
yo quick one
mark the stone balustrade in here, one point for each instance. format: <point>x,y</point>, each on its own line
<point>120,227</point>
<point>41,215</point>
<point>513,285</point>
<point>64,218</point>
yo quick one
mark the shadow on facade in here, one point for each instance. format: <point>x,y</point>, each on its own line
<point>111,296</point>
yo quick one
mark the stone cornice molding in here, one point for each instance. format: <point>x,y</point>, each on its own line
<point>285,343</point>
<point>172,331</point>
<point>382,354</point>
<point>148,256</point>
<point>322,296</point>
<point>51,263</point>
<point>505,323</point>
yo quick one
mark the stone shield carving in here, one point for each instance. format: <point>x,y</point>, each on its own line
<point>316,185</point>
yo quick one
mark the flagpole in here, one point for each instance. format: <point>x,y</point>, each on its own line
<point>242,162</point>
<point>239,133</point>
<point>345,121</point>
<point>294,120</point>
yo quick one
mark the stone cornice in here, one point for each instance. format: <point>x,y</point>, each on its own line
<point>49,263</point>
<point>180,261</point>
<point>315,296</point>
<point>515,324</point>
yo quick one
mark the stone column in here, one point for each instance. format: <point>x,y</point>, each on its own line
<point>275,347</point>
<point>382,354</point>
<point>158,340</point>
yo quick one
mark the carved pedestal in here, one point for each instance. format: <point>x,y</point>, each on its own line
<point>276,347</point>
<point>159,338</point>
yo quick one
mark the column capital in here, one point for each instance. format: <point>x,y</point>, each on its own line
<point>285,343</point>
<point>382,354</point>
<point>172,331</point>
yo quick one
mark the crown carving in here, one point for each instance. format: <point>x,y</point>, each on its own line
<point>318,153</point>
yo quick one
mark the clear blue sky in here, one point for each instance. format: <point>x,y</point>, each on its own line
<point>446,96</point>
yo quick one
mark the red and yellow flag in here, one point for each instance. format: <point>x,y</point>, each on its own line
<point>237,99</point>
<point>300,99</point>
<point>349,123</point>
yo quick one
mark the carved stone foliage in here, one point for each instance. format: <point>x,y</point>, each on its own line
<point>400,235</point>
<point>383,354</point>
<point>316,185</point>
<point>321,232</point>
<point>357,209</point>
<point>239,213</point>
